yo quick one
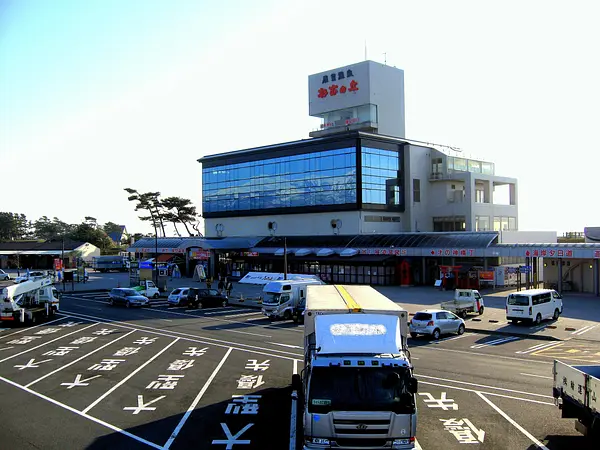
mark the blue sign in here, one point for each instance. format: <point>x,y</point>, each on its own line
<point>525,269</point>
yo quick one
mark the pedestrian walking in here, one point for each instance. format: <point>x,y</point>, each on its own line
<point>228,288</point>
<point>221,285</point>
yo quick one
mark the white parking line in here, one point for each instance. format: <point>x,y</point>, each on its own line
<point>488,393</point>
<point>584,330</point>
<point>196,401</point>
<point>253,313</point>
<point>495,342</point>
<point>286,345</point>
<point>116,386</point>
<point>512,422</point>
<point>79,413</point>
<point>31,328</point>
<point>194,338</point>
<point>46,343</point>
<point>452,338</point>
<point>485,386</point>
<point>537,376</point>
<point>79,359</point>
<point>544,345</point>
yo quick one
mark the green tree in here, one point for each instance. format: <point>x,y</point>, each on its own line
<point>13,226</point>
<point>180,210</point>
<point>149,201</point>
<point>111,227</point>
<point>46,229</point>
<point>85,232</point>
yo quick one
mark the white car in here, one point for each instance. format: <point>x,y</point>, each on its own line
<point>4,275</point>
<point>435,322</point>
<point>33,275</point>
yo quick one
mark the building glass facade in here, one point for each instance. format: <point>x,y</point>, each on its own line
<point>310,179</point>
<point>380,169</point>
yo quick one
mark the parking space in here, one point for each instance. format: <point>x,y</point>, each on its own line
<point>152,388</point>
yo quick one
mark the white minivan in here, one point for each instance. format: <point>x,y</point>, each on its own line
<point>533,305</point>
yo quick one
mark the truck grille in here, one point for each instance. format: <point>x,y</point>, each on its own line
<point>361,443</point>
<point>364,426</point>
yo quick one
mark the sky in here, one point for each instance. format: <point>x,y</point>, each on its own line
<point>101,95</point>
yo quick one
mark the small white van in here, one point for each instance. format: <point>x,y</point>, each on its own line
<point>533,305</point>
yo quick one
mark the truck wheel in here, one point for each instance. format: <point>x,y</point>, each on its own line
<point>155,295</point>
<point>463,314</point>
<point>287,315</point>
<point>481,310</point>
<point>295,318</point>
<point>556,314</point>
<point>436,334</point>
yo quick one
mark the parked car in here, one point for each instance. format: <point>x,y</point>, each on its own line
<point>33,275</point>
<point>533,305</point>
<point>128,297</point>
<point>178,297</point>
<point>4,275</point>
<point>197,298</point>
<point>435,322</point>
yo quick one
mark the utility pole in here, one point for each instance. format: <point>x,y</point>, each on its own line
<point>285,267</point>
<point>155,255</point>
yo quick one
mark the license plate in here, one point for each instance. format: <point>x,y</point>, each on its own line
<point>419,330</point>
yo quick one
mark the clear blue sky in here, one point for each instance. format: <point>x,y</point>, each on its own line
<point>99,95</point>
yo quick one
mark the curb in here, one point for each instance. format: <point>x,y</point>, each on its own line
<point>506,333</point>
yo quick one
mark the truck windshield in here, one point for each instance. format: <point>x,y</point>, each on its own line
<point>518,300</point>
<point>271,298</point>
<point>360,389</point>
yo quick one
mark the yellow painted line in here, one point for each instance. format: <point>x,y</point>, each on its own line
<point>573,350</point>
<point>350,302</point>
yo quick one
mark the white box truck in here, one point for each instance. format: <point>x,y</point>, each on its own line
<point>357,385</point>
<point>285,299</point>
<point>576,391</point>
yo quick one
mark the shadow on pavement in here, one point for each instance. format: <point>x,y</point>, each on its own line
<point>567,442</point>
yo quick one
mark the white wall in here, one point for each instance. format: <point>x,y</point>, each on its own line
<point>527,237</point>
<point>387,92</point>
<point>87,251</point>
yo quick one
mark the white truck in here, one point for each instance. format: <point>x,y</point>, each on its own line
<point>357,385</point>
<point>576,391</point>
<point>465,301</point>
<point>147,288</point>
<point>29,301</point>
<point>285,299</point>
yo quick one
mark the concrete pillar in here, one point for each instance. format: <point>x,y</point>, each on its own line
<point>424,276</point>
<point>560,274</point>
<point>187,263</point>
<point>596,276</point>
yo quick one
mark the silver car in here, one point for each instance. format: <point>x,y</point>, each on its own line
<point>435,322</point>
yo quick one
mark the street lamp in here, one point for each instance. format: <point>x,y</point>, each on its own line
<point>155,256</point>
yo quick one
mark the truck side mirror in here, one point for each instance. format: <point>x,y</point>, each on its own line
<point>413,385</point>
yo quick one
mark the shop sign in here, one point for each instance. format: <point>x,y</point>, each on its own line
<point>452,252</point>
<point>160,250</point>
<point>553,253</point>
<point>249,253</point>
<point>200,254</point>
<point>596,253</point>
<point>487,275</point>
<point>383,251</point>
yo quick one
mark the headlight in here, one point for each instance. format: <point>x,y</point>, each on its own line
<point>321,441</point>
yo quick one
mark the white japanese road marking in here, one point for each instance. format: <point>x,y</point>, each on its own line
<point>496,342</point>
<point>141,406</point>
<point>452,338</point>
<point>537,376</point>
<point>196,401</point>
<point>512,422</point>
<point>32,364</point>
<point>544,345</point>
<point>116,386</point>
<point>79,381</point>
<point>232,439</point>
<point>79,413</point>
<point>78,359</point>
<point>46,343</point>
<point>195,338</point>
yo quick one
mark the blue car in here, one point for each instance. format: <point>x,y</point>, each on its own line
<point>128,297</point>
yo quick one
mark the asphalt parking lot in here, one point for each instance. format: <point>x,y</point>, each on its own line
<point>110,377</point>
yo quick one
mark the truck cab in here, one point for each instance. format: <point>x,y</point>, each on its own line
<point>358,385</point>
<point>285,299</point>
<point>148,289</point>
<point>29,301</point>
